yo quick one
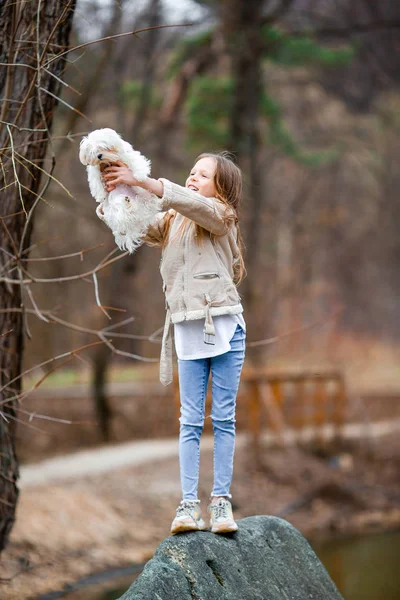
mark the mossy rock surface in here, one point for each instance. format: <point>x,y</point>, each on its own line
<point>266,559</point>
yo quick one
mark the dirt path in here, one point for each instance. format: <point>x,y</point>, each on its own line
<point>109,458</point>
<point>112,506</point>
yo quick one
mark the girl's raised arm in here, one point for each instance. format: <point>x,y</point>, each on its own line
<point>209,213</point>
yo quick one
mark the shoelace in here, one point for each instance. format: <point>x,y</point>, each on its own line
<point>221,510</point>
<point>184,507</point>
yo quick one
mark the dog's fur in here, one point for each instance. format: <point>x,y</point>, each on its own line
<point>128,211</point>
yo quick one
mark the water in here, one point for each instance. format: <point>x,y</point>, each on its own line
<point>363,568</point>
<point>109,591</point>
<point>107,585</point>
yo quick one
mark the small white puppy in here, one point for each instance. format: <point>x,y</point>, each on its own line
<point>128,211</point>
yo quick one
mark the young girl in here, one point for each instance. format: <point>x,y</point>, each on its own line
<point>201,262</point>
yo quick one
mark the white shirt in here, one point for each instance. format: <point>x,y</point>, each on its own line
<point>189,337</point>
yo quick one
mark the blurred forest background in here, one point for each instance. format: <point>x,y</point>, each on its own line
<point>305,95</point>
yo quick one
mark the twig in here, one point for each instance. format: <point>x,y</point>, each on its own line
<point>62,82</point>
<point>13,258</point>
<point>46,173</point>
<point>120,324</point>
<point>62,256</point>
<point>68,136</point>
<point>96,292</point>
<point>53,31</point>
<point>2,64</point>
<point>125,336</point>
<point>6,333</point>
<point>15,169</point>
<point>24,166</point>
<point>123,353</point>
<point>65,103</point>
<point>20,129</point>
<point>20,275</point>
<point>277,338</point>
<point>33,80</point>
<point>113,37</point>
<point>23,422</point>
<point>109,255</point>
<point>46,362</point>
<point>35,415</point>
<point>12,215</point>
<point>2,415</point>
<point>37,311</point>
<point>33,279</point>
<point>3,171</point>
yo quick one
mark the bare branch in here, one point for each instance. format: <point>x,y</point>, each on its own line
<point>35,415</point>
<point>33,279</point>
<point>19,129</point>
<point>66,104</point>
<point>47,173</point>
<point>113,37</point>
<point>61,256</point>
<point>105,331</point>
<point>62,82</point>
<point>6,333</point>
<point>15,169</point>
<point>44,363</point>
<point>17,65</point>
<point>96,291</point>
<point>37,311</point>
<point>277,338</point>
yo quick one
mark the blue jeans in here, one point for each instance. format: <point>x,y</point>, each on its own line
<point>193,380</point>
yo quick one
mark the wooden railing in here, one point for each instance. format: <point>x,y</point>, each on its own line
<point>281,402</point>
<point>285,402</point>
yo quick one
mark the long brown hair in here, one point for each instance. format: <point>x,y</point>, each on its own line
<point>228,185</point>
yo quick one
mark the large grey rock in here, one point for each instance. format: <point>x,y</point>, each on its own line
<point>266,559</point>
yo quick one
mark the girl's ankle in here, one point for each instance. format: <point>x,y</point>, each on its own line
<point>215,499</point>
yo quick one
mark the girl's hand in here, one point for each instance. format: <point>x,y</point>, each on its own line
<point>118,174</point>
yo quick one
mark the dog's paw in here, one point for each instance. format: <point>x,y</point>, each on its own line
<point>100,212</point>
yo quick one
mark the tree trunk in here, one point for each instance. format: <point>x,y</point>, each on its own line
<point>102,356</point>
<point>44,29</point>
<point>149,67</point>
<point>241,24</point>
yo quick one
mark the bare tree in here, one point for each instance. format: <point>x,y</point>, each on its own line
<point>33,37</point>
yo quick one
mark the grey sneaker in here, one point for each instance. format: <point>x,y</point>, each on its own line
<point>188,517</point>
<point>221,517</point>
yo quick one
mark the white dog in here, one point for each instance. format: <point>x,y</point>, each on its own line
<point>128,211</point>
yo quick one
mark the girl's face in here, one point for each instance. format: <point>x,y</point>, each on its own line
<point>201,178</point>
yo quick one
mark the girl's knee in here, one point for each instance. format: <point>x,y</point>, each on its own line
<point>192,417</point>
<point>190,433</point>
<point>191,423</point>
<point>225,424</point>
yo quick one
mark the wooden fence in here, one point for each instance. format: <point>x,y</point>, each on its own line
<point>281,402</point>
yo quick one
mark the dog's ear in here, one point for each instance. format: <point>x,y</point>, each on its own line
<point>83,150</point>
<point>95,184</point>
